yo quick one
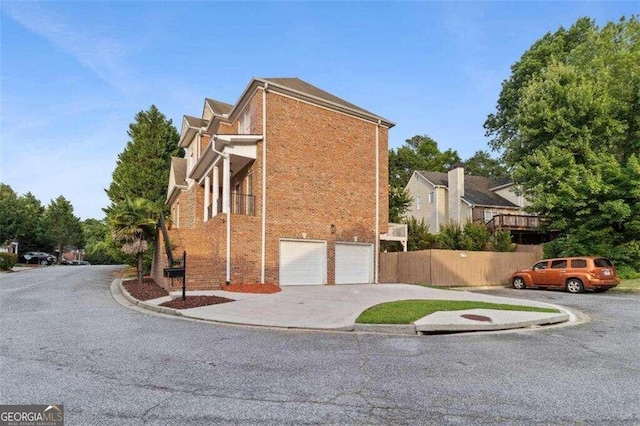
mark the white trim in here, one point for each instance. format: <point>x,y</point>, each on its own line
<point>377,221</point>
<point>263,245</point>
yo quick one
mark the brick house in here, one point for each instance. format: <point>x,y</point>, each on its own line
<point>289,185</point>
<point>439,198</point>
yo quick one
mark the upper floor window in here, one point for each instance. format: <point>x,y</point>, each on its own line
<point>418,203</point>
<point>432,197</point>
<point>244,123</point>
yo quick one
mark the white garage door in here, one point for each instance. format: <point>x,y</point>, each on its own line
<point>354,263</point>
<point>303,262</point>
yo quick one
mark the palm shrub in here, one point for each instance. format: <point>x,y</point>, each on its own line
<point>132,224</point>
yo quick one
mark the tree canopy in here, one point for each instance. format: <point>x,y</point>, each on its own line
<point>60,226</point>
<point>142,169</point>
<point>418,153</point>
<point>568,123</point>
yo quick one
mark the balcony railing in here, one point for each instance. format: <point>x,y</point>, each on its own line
<point>240,204</point>
<point>514,222</point>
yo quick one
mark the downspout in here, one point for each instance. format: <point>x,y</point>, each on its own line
<point>227,212</point>
<point>377,221</point>
<point>263,256</point>
<point>435,196</point>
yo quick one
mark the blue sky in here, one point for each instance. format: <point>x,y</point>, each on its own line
<point>74,74</point>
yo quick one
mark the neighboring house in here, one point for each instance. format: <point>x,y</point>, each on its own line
<point>73,253</point>
<point>9,247</point>
<point>439,198</point>
<point>289,185</point>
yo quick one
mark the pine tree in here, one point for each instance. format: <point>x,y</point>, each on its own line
<point>142,169</point>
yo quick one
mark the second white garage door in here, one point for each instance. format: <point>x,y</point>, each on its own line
<point>303,262</point>
<point>354,263</point>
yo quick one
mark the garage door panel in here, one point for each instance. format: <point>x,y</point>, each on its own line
<point>354,263</point>
<point>302,262</point>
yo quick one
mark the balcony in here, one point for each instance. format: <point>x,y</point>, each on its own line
<point>509,222</point>
<point>397,232</point>
<point>240,204</point>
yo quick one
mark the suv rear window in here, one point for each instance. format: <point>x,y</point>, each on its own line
<point>602,262</point>
<point>578,263</point>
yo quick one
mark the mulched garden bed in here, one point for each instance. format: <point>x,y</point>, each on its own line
<point>195,302</point>
<point>150,290</point>
<point>251,288</point>
<point>147,291</point>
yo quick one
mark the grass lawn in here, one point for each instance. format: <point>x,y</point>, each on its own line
<point>408,311</point>
<point>628,286</point>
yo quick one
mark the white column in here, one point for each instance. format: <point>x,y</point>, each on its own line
<point>216,189</point>
<point>207,197</point>
<point>226,184</point>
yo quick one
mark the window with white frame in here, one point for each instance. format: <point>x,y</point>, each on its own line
<point>418,203</point>
<point>432,197</point>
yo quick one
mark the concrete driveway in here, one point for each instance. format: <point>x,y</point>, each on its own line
<point>337,308</point>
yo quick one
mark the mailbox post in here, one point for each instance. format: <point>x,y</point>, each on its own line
<point>179,273</point>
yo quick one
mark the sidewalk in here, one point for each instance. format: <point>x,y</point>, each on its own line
<point>337,307</point>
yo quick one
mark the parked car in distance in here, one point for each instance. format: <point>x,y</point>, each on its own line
<point>574,274</point>
<point>38,257</point>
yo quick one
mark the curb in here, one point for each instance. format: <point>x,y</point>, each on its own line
<point>405,329</point>
<point>459,328</point>
<point>567,317</point>
<point>149,306</point>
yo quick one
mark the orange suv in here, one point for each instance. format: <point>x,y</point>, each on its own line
<point>575,274</point>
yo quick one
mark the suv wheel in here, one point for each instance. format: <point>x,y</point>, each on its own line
<point>574,285</point>
<point>518,283</point>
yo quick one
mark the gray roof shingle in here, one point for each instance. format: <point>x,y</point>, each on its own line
<point>195,121</point>
<point>218,107</point>
<point>477,189</point>
<point>179,168</point>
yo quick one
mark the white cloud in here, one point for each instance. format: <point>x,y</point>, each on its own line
<point>105,56</point>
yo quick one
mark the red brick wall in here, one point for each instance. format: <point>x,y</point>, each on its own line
<point>321,172</point>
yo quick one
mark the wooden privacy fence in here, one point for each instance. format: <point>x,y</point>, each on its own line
<point>453,267</point>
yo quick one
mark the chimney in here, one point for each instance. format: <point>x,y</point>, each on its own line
<point>455,188</point>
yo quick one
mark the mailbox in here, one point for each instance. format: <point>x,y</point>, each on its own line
<point>174,272</point>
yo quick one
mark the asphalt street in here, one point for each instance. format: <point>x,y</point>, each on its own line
<point>65,340</point>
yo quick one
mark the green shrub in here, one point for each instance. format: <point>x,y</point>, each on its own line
<point>7,261</point>
<point>419,237</point>
<point>449,236</point>
<point>596,243</point>
<point>475,237</point>
<point>501,241</point>
<point>626,272</point>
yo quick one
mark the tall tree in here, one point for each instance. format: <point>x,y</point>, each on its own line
<point>10,214</point>
<point>482,164</point>
<point>418,153</point>
<point>19,217</point>
<point>568,123</point>
<point>59,225</point>
<point>132,222</point>
<point>142,169</point>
